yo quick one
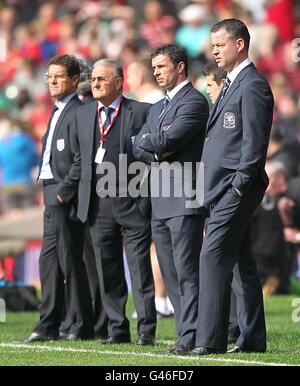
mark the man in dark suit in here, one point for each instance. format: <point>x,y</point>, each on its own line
<point>234,156</point>
<point>103,132</point>
<point>62,269</point>
<point>84,93</point>
<point>174,133</point>
<point>215,77</point>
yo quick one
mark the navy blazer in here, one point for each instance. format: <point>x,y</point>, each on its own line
<point>61,149</point>
<point>133,115</point>
<point>174,136</point>
<point>237,136</point>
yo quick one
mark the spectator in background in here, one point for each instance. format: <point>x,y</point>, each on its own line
<point>214,79</point>
<point>281,14</point>
<point>156,22</point>
<point>289,207</point>
<point>288,114</point>
<point>18,156</point>
<point>195,31</point>
<point>268,243</point>
<point>285,151</point>
<point>141,81</point>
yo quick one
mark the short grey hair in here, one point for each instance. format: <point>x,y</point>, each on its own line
<point>118,69</point>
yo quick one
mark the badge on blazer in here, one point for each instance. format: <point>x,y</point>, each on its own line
<point>60,144</point>
<point>229,120</point>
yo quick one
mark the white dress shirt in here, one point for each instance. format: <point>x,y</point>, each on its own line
<point>46,173</point>
<point>234,73</point>
<point>175,90</point>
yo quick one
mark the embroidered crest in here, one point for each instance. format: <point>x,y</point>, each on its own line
<point>229,120</point>
<point>60,144</point>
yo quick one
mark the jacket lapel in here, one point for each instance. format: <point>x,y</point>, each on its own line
<point>90,126</point>
<point>126,116</point>
<point>174,101</point>
<point>235,85</point>
<point>60,120</point>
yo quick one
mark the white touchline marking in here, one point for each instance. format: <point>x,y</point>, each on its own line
<point>126,353</point>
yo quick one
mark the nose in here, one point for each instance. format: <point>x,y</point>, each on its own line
<point>215,50</point>
<point>156,71</point>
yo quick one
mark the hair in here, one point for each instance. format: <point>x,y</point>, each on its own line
<point>143,61</point>
<point>118,69</point>
<point>84,86</point>
<point>236,28</point>
<point>211,68</point>
<point>176,53</point>
<point>70,62</point>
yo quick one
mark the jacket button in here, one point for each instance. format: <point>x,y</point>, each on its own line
<point>207,139</point>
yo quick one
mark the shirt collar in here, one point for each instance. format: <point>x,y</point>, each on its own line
<point>114,105</point>
<point>234,73</point>
<point>63,102</point>
<point>175,90</point>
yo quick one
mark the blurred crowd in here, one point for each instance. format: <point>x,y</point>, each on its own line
<point>31,32</point>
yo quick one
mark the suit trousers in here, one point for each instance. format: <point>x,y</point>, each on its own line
<point>63,275</point>
<point>178,243</point>
<point>226,255</point>
<point>114,223</point>
<point>99,318</point>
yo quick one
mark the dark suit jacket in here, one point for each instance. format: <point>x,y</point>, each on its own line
<point>61,150</point>
<point>237,136</point>
<point>176,137</point>
<point>133,115</point>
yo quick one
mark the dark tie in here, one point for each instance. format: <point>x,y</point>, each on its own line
<point>165,104</point>
<point>224,90</point>
<point>108,112</point>
<point>54,109</point>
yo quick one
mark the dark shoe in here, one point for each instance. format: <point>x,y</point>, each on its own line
<point>171,350</point>
<point>146,339</point>
<point>37,337</point>
<point>183,349</point>
<point>201,350</point>
<point>238,350</point>
<point>117,339</point>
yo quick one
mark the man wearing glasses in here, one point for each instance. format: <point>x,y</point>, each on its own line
<point>62,271</point>
<point>103,151</point>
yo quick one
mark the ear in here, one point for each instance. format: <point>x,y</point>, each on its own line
<point>75,80</point>
<point>181,67</point>
<point>119,83</point>
<point>240,44</point>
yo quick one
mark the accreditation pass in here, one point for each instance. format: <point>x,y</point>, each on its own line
<point>100,154</point>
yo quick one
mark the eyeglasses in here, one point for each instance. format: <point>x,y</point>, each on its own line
<point>56,77</point>
<point>101,79</point>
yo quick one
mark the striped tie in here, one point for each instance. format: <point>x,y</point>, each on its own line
<point>165,104</point>
<point>224,90</point>
<point>108,111</point>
